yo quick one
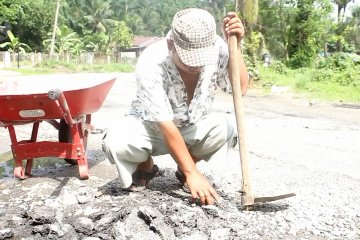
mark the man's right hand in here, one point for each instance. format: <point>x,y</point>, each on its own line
<point>197,183</point>
<point>200,188</point>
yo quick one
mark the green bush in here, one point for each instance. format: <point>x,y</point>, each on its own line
<point>279,67</point>
<point>350,78</point>
<point>340,68</point>
<point>301,59</point>
<point>322,75</point>
<point>337,61</point>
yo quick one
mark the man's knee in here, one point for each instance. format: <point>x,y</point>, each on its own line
<point>124,149</point>
<point>223,127</point>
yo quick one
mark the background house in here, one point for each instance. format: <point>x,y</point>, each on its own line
<point>139,44</point>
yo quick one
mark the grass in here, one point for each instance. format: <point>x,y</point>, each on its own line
<point>301,81</point>
<point>52,67</point>
<point>333,92</point>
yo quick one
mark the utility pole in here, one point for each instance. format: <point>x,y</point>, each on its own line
<point>54,30</point>
<point>19,32</point>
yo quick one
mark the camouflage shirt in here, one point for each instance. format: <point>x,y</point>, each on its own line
<point>161,93</point>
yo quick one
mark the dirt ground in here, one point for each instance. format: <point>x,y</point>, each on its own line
<point>296,145</point>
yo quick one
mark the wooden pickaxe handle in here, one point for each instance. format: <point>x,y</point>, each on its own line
<point>234,74</point>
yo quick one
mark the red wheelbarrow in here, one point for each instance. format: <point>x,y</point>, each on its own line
<point>66,102</point>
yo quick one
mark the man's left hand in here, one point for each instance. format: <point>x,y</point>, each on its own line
<point>233,25</point>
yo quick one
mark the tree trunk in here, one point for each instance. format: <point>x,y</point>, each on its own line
<point>54,29</point>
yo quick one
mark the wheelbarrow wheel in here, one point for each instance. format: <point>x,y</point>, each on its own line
<point>66,137</point>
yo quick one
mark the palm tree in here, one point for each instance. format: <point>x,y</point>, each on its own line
<point>356,25</point>
<point>135,23</point>
<point>123,7</point>
<point>341,7</point>
<point>151,20</point>
<point>72,14</point>
<point>98,14</point>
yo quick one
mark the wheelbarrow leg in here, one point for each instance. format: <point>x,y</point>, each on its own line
<point>83,168</point>
<point>29,161</point>
<point>19,171</point>
<point>83,129</point>
<point>80,151</point>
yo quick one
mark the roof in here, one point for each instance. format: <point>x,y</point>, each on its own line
<point>141,41</point>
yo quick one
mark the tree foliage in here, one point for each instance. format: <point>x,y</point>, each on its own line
<point>30,20</point>
<point>294,31</point>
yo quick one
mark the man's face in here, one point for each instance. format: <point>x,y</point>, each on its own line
<point>180,65</point>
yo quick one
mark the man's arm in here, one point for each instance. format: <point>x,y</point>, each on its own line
<point>197,183</point>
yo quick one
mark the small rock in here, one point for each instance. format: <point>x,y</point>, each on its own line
<point>105,221</point>
<point>69,232</point>
<point>42,215</point>
<point>154,219</point>
<point>118,231</point>
<point>89,210</point>
<point>5,192</point>
<point>95,216</point>
<point>211,210</point>
<point>41,229</point>
<point>82,199</point>
<point>17,220</point>
<point>84,225</point>
<point>6,233</point>
<point>69,199</point>
<point>56,229</point>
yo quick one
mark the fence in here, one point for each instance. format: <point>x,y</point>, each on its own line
<point>11,60</point>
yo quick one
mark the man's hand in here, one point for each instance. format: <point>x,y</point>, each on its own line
<point>233,25</point>
<point>197,183</point>
<point>200,188</point>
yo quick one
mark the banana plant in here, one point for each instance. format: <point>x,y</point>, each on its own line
<point>14,44</point>
<point>66,39</point>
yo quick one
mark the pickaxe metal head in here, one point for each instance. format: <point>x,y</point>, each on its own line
<point>249,200</point>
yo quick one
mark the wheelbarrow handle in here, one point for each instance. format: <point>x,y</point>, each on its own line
<point>58,96</point>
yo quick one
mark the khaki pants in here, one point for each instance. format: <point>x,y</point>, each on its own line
<point>132,141</point>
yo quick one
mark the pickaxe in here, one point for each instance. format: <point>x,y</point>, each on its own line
<point>247,198</point>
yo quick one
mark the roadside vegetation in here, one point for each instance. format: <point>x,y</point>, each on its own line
<point>335,78</point>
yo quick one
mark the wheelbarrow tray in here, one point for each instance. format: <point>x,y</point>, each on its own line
<point>25,99</point>
<point>72,98</point>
